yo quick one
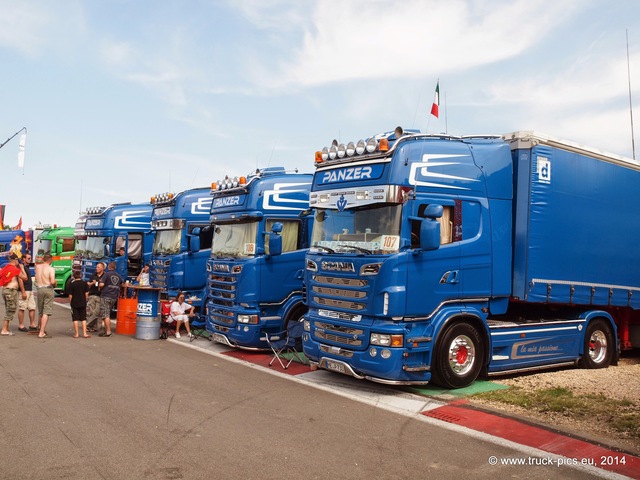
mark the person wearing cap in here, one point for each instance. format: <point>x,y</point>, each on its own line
<point>11,274</point>
<point>46,280</point>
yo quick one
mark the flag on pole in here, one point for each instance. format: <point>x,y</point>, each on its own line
<point>436,101</point>
<point>22,143</point>
<point>2,207</point>
<point>19,225</point>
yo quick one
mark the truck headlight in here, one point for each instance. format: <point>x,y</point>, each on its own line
<point>307,325</point>
<point>248,319</point>
<point>385,340</point>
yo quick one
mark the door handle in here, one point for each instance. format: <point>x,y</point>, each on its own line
<point>450,277</point>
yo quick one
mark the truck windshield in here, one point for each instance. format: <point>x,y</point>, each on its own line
<point>371,229</point>
<point>44,247</point>
<point>81,246</point>
<point>234,239</point>
<point>95,247</point>
<point>167,242</point>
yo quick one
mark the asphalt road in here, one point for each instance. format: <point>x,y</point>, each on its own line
<point>121,408</point>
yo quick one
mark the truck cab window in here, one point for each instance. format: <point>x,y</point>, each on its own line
<point>290,236</point>
<point>447,226</point>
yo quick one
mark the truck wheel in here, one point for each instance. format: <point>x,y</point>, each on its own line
<point>458,359</point>
<point>66,288</point>
<point>296,316</point>
<point>598,345</point>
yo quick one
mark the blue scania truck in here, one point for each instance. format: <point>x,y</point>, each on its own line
<point>182,244</point>
<point>109,229</point>
<point>439,258</point>
<point>261,227</point>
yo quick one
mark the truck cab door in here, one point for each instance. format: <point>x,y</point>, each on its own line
<point>433,271</point>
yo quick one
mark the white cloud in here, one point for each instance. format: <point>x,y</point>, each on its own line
<point>31,27</point>
<point>369,39</point>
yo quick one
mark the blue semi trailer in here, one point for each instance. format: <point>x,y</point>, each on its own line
<point>439,258</point>
<point>108,229</point>
<point>261,229</point>
<point>182,244</point>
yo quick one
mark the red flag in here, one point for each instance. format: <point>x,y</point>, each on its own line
<point>436,101</point>
<point>19,225</point>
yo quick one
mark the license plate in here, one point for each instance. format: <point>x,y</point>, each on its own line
<point>219,338</point>
<point>336,367</point>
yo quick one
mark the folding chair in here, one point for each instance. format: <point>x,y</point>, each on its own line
<point>167,328</point>
<point>286,345</point>
<point>199,328</point>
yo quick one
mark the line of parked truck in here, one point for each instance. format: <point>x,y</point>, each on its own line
<point>409,258</point>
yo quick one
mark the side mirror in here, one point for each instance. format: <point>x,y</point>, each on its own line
<point>194,243</point>
<point>430,228</point>
<point>275,239</point>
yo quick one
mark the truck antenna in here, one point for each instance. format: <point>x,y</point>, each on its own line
<point>633,143</point>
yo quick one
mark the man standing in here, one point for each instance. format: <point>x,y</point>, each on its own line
<point>9,275</point>
<point>109,292</point>
<point>46,280</point>
<point>27,301</point>
<point>93,304</point>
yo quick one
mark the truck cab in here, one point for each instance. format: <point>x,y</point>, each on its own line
<point>120,226</point>
<point>437,258</point>
<point>261,227</point>
<point>59,242</point>
<point>182,244</point>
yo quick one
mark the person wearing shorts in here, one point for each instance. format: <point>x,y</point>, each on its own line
<point>109,291</point>
<point>46,280</point>
<point>181,312</point>
<point>78,291</point>
<point>26,299</point>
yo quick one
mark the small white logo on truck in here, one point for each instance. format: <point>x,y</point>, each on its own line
<point>543,168</point>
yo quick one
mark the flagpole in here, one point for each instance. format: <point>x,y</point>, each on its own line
<point>446,121</point>
<point>12,136</point>
<point>633,143</point>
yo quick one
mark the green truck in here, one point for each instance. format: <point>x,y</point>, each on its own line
<point>60,243</point>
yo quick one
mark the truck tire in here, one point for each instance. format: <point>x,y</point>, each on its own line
<point>458,358</point>
<point>63,293</point>
<point>599,345</point>
<point>297,315</point>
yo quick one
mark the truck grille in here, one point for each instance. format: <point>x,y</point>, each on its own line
<point>158,273</point>
<point>330,302</point>
<point>339,292</point>
<point>345,282</point>
<point>339,334</point>
<point>222,316</point>
<point>222,289</point>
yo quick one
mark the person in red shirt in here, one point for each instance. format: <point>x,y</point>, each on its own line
<point>9,276</point>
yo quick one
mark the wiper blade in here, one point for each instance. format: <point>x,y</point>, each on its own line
<point>359,249</point>
<point>326,249</point>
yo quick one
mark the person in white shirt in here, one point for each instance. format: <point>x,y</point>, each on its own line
<point>143,276</point>
<point>180,313</point>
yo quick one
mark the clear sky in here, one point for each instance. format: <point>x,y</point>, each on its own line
<point>123,99</point>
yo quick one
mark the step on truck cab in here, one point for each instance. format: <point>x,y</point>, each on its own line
<point>439,258</point>
<point>108,229</point>
<point>261,227</point>
<point>182,244</point>
<point>59,242</point>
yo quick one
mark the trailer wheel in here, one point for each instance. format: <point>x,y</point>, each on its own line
<point>598,345</point>
<point>458,358</point>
